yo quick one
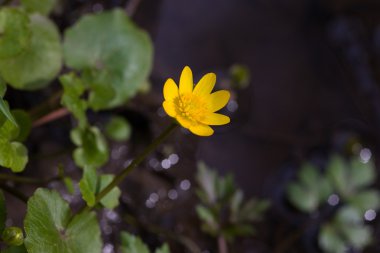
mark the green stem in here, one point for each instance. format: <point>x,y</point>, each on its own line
<point>122,174</point>
<point>25,180</point>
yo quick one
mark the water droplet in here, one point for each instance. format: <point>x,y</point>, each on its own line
<point>370,215</point>
<point>173,194</point>
<point>232,106</point>
<point>165,164</point>
<point>365,155</point>
<point>154,197</point>
<point>333,200</point>
<point>108,248</point>
<point>149,203</point>
<point>185,185</point>
<point>173,158</point>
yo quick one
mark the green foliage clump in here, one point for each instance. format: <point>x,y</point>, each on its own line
<point>133,244</point>
<point>219,195</point>
<point>349,183</point>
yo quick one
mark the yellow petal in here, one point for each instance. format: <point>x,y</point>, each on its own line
<point>186,81</point>
<point>170,90</point>
<point>183,121</point>
<point>201,130</point>
<point>205,85</point>
<point>169,108</point>
<point>216,119</point>
<point>218,100</point>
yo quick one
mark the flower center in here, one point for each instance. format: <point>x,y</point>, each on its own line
<point>191,107</point>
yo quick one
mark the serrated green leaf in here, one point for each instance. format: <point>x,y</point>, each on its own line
<point>40,62</point>
<point>163,249</point>
<point>15,32</point>
<point>92,150</point>
<point>118,129</point>
<point>115,53</point>
<point>132,244</point>
<point>3,212</point>
<point>49,227</point>
<point>43,7</point>
<point>74,88</point>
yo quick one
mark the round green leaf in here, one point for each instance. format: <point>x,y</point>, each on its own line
<point>92,150</point>
<point>114,53</point>
<point>49,227</point>
<point>40,62</point>
<point>15,33</point>
<point>118,129</point>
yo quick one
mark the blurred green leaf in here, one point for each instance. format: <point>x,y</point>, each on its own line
<point>113,51</point>
<point>74,88</point>
<point>336,172</point>
<point>49,226</point>
<point>43,7</point>
<point>15,32</point>
<point>132,244</point>
<point>310,191</point>
<point>111,200</point>
<point>92,150</point>
<point>362,174</point>
<point>118,129</point>
<point>206,179</point>
<point>330,240</point>
<point>240,76</point>
<point>69,184</point>
<point>40,62</point>
<point>253,210</point>
<point>210,219</point>
<point>363,201</point>
<point>232,231</point>
<point>164,249</point>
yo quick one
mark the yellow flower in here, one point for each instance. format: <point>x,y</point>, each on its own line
<point>194,107</point>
